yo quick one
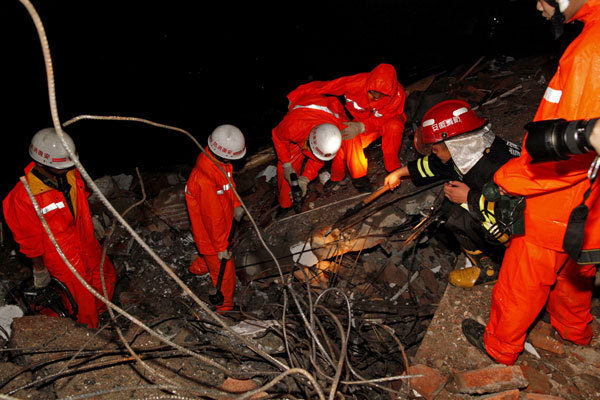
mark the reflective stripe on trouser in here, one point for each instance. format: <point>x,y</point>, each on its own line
<point>228,284</point>
<point>285,198</point>
<point>530,276</point>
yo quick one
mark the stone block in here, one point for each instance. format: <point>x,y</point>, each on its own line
<point>490,380</point>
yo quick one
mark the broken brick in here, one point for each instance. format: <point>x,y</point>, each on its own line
<point>514,394</point>
<point>430,280</point>
<point>490,380</point>
<point>538,381</point>
<point>430,384</point>
<point>542,337</point>
<point>537,396</point>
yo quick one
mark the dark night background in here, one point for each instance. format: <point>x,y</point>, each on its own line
<point>196,65</point>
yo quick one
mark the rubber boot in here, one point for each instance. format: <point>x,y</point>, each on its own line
<point>483,271</point>
<point>363,185</point>
<point>473,332</point>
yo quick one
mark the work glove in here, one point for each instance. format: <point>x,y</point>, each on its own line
<point>352,130</point>
<point>41,278</point>
<point>238,213</point>
<point>224,255</point>
<point>303,184</point>
<point>288,170</point>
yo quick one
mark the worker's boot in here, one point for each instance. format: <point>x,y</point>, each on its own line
<point>363,184</point>
<point>484,271</point>
<point>473,332</point>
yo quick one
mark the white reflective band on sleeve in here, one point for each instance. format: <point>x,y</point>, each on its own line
<point>354,104</point>
<point>225,187</point>
<point>377,114</point>
<point>52,206</point>
<point>317,107</point>
<point>186,191</point>
<point>552,95</point>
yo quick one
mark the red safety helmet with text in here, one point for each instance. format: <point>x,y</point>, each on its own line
<point>445,120</point>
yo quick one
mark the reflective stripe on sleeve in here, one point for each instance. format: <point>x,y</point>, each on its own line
<point>53,206</point>
<point>317,107</point>
<point>552,95</point>
<point>423,166</point>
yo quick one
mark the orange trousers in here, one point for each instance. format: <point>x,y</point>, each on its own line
<point>89,307</point>
<point>531,277</point>
<point>352,155</point>
<point>210,263</point>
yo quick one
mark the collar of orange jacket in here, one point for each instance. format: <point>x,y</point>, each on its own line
<point>590,11</point>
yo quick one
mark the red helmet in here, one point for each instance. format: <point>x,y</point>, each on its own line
<point>445,120</point>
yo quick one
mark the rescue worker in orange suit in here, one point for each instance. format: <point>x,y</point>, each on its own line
<point>537,271</point>
<point>466,153</point>
<point>61,196</point>
<point>212,207</point>
<point>376,102</point>
<point>307,137</point>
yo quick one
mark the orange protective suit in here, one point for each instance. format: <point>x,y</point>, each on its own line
<point>210,202</point>
<point>536,271</point>
<point>383,118</point>
<point>74,235</point>
<point>290,137</point>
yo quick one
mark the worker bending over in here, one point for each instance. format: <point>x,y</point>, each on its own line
<point>212,206</point>
<point>308,135</point>
<point>466,153</point>
<point>376,102</point>
<point>61,196</point>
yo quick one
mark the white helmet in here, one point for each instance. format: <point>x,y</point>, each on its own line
<point>227,141</point>
<point>325,141</point>
<point>46,148</point>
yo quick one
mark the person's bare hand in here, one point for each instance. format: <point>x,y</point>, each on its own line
<point>393,180</point>
<point>456,191</point>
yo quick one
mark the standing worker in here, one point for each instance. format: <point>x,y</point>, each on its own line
<point>467,154</point>
<point>540,267</point>
<point>60,194</point>
<point>376,102</point>
<point>212,206</point>
<point>310,132</point>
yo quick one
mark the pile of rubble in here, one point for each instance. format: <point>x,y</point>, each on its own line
<point>356,305</point>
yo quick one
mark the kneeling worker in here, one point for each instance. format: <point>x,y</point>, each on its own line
<point>61,196</point>
<point>310,131</point>
<point>213,206</point>
<point>467,154</point>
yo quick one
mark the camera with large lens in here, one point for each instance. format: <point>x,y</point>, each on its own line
<point>557,139</point>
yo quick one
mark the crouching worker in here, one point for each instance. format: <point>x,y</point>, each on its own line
<point>212,206</point>
<point>307,137</point>
<point>466,153</point>
<point>60,194</point>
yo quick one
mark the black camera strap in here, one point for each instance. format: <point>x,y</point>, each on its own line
<point>573,240</point>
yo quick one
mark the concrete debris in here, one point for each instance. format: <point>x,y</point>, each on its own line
<point>7,314</point>
<point>381,273</point>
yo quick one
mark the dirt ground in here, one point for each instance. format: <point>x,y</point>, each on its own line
<point>396,280</point>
